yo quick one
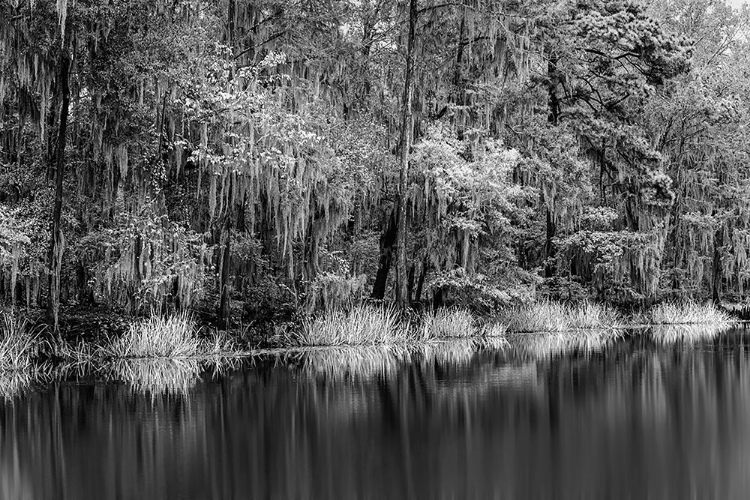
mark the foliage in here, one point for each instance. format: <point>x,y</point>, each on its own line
<point>244,157</point>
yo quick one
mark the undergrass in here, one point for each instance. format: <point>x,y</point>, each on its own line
<point>549,316</point>
<point>19,342</point>
<point>362,325</point>
<point>447,323</point>
<point>688,313</point>
<point>158,337</point>
<point>371,325</point>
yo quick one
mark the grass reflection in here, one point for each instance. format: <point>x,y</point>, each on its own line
<point>367,362</point>
<point>157,376</point>
<point>668,334</point>
<point>14,383</point>
<point>360,362</point>
<point>549,345</point>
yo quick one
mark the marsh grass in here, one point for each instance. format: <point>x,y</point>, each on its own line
<point>361,325</point>
<point>493,330</point>
<point>19,342</point>
<point>157,376</point>
<point>371,325</point>
<point>549,316</point>
<point>219,343</point>
<point>80,353</point>
<point>447,323</point>
<point>688,313</point>
<point>669,334</point>
<point>157,337</point>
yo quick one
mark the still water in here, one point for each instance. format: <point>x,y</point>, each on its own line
<point>661,414</point>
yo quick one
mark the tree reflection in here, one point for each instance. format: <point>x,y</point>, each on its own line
<point>630,418</point>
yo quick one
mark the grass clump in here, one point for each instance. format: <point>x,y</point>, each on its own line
<point>158,337</point>
<point>549,316</point>
<point>688,313</point>
<point>447,323</point>
<point>19,342</point>
<point>361,325</point>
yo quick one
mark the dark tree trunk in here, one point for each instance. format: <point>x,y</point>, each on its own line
<point>57,243</point>
<point>226,233</point>
<point>716,267</point>
<point>387,241</point>
<point>420,282</point>
<point>225,302</point>
<point>549,247</point>
<point>553,118</point>
<point>402,285</point>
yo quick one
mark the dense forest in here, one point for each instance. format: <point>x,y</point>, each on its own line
<point>259,158</point>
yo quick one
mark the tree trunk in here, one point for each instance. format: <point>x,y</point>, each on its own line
<point>57,244</point>
<point>224,303</point>
<point>387,240</point>
<point>402,285</point>
<point>717,274</point>
<point>549,247</point>
<point>226,236</point>
<point>420,281</point>
<point>553,118</point>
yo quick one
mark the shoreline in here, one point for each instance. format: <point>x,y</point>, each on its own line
<point>25,347</point>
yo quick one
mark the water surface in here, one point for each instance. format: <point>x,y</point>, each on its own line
<point>655,415</point>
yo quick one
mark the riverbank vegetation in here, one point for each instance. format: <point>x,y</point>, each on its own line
<point>689,313</point>
<point>273,167</point>
<point>19,343</point>
<point>24,345</point>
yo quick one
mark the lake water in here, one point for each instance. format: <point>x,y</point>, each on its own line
<point>655,415</point>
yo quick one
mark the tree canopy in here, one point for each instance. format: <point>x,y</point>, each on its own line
<point>256,158</point>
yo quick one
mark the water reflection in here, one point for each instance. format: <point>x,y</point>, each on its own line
<point>629,417</point>
<point>669,334</point>
<point>157,376</point>
<point>548,345</point>
<point>13,383</point>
